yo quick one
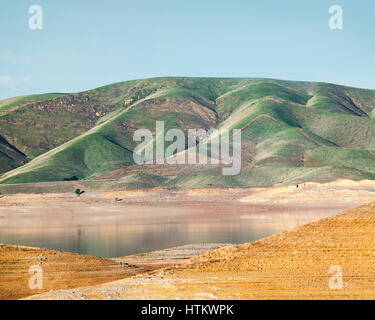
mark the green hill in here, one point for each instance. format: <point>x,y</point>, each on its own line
<point>291,131</point>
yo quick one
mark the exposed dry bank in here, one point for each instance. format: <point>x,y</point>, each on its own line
<point>61,270</point>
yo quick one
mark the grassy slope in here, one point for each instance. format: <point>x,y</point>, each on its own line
<point>291,131</point>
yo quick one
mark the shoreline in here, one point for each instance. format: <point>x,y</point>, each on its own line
<point>174,267</point>
<point>342,190</point>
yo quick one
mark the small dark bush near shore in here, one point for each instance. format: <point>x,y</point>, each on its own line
<point>78,192</point>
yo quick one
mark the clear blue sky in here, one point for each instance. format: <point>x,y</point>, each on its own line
<point>86,43</point>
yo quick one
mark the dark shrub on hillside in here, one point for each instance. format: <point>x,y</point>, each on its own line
<point>74,178</point>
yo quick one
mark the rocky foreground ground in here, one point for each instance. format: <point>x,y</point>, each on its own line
<point>61,270</point>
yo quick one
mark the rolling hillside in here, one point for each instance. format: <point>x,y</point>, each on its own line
<point>291,132</point>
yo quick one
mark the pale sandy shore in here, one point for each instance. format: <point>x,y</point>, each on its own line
<point>312,192</point>
<point>343,191</point>
<point>290,265</point>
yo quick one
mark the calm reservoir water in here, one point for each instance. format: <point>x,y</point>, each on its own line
<point>122,230</point>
